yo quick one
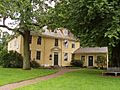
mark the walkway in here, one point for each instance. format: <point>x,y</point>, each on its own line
<point>33,81</point>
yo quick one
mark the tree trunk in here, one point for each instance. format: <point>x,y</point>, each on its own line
<point>26,58</point>
<point>116,56</point>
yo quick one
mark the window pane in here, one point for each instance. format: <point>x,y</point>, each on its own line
<point>38,55</point>
<point>83,58</point>
<point>65,56</point>
<point>39,40</point>
<point>73,45</point>
<point>56,42</point>
<point>66,43</point>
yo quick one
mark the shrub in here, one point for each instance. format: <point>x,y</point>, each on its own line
<point>101,61</point>
<point>34,64</point>
<point>77,63</point>
<point>11,59</point>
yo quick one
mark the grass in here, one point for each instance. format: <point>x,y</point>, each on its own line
<point>10,75</point>
<point>85,79</point>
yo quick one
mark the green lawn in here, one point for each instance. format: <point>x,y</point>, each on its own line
<point>9,75</point>
<point>86,79</point>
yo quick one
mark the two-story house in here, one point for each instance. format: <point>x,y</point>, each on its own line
<point>48,48</point>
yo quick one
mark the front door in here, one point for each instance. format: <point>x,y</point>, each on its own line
<point>55,58</point>
<point>90,61</point>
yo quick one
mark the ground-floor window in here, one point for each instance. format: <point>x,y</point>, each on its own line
<point>65,56</point>
<point>83,58</point>
<point>38,55</point>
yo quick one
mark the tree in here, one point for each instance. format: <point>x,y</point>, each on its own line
<point>26,15</point>
<point>95,22</point>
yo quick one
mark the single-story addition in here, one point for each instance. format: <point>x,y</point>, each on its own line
<point>89,55</point>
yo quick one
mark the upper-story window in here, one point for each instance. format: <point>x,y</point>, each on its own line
<point>73,45</point>
<point>56,42</point>
<point>66,43</point>
<point>39,40</point>
<point>30,39</point>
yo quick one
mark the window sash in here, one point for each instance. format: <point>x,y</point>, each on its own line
<point>38,55</point>
<point>56,42</point>
<point>66,43</point>
<point>39,40</point>
<point>73,45</point>
<point>65,56</point>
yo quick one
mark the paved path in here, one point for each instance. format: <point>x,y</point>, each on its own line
<point>33,81</point>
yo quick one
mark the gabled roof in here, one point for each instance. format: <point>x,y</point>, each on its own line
<point>59,33</point>
<point>92,50</point>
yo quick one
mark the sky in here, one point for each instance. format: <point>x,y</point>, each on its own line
<point>7,22</point>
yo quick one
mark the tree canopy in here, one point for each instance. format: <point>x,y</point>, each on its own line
<point>95,22</point>
<point>24,13</point>
<point>26,16</point>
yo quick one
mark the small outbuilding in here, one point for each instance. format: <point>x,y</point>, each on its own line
<point>90,56</point>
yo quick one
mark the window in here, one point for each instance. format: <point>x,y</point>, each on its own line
<point>30,39</point>
<point>39,40</point>
<point>73,45</point>
<point>83,58</point>
<point>56,42</point>
<point>65,56</point>
<point>66,43</point>
<point>38,55</point>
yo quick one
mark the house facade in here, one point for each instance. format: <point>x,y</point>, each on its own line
<point>90,55</point>
<point>48,48</point>
<point>57,47</point>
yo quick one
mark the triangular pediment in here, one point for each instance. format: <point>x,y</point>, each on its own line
<point>55,49</point>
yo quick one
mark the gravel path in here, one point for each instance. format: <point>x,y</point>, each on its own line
<point>33,81</point>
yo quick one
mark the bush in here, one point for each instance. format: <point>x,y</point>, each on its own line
<point>77,63</point>
<point>34,64</point>
<point>101,62</point>
<point>11,59</point>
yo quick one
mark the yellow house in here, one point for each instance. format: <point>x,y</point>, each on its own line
<point>57,48</point>
<point>48,48</point>
<point>89,55</point>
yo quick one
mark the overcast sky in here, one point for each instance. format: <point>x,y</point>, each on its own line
<point>4,29</point>
<point>8,21</point>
